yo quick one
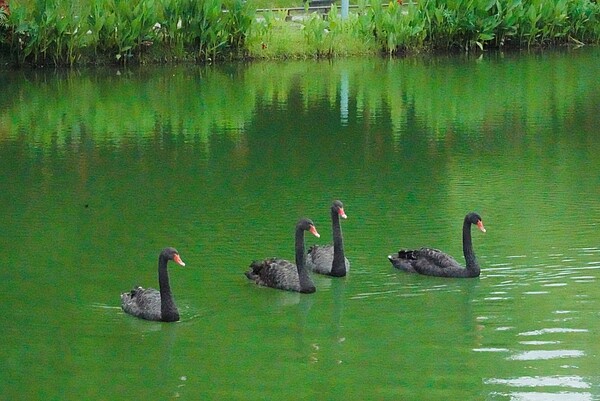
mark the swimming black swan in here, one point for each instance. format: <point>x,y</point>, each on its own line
<point>330,259</point>
<point>432,262</point>
<point>284,275</point>
<point>151,304</point>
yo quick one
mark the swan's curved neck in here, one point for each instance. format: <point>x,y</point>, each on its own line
<point>168,310</point>
<point>338,267</point>
<point>470,258</point>
<point>305,282</point>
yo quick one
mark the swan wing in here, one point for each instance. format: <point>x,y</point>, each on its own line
<point>428,261</point>
<point>320,259</point>
<point>276,273</point>
<point>436,257</point>
<point>143,303</point>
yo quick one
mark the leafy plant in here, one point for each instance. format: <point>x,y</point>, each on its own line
<point>69,32</point>
<point>397,28</point>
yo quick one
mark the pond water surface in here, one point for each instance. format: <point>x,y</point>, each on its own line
<point>101,169</point>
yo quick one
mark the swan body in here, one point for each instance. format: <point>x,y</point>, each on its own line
<point>282,274</point>
<point>151,304</point>
<point>433,262</point>
<point>330,259</point>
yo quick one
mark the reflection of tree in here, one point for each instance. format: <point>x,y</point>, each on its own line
<point>191,102</point>
<point>443,94</point>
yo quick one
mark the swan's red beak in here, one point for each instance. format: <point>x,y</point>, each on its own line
<point>314,232</point>
<point>480,226</point>
<point>178,260</point>
<point>342,214</point>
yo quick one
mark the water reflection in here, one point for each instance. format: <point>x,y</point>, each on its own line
<point>194,103</point>
<point>539,355</point>
<point>566,384</point>
<point>552,381</point>
<point>219,160</point>
<point>552,330</point>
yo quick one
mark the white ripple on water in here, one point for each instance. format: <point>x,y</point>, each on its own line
<point>491,349</point>
<point>534,355</point>
<point>542,381</point>
<point>552,330</point>
<point>543,355</point>
<point>364,295</point>
<point>571,383</point>
<point>537,396</point>
<point>504,328</point>
<point>539,342</point>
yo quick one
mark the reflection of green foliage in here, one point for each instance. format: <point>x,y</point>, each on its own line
<point>109,108</point>
<point>197,102</point>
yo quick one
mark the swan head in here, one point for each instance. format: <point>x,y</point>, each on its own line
<point>172,254</point>
<point>308,225</point>
<point>474,218</point>
<point>338,207</point>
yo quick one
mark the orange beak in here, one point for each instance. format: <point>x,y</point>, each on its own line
<point>480,226</point>
<point>342,214</point>
<point>178,260</point>
<point>314,232</point>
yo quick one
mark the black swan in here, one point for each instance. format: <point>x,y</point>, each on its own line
<point>432,262</point>
<point>330,259</point>
<point>284,275</point>
<point>151,304</point>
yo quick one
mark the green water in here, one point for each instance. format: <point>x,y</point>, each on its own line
<point>100,170</point>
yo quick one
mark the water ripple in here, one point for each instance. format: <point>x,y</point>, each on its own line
<point>563,396</point>
<point>540,381</point>
<point>552,330</point>
<point>542,355</point>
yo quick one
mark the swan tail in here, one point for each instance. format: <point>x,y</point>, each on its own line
<point>129,300</point>
<point>133,293</point>
<point>257,267</point>
<point>403,260</point>
<point>254,268</point>
<point>407,254</point>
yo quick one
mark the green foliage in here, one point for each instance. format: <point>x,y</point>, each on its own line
<point>3,18</point>
<point>318,34</point>
<point>397,28</point>
<point>63,32</point>
<point>470,23</point>
<point>53,31</point>
<point>4,29</point>
<point>462,23</point>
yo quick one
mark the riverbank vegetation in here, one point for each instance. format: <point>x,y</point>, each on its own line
<point>63,32</point>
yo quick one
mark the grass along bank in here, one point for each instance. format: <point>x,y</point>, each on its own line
<point>64,32</point>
